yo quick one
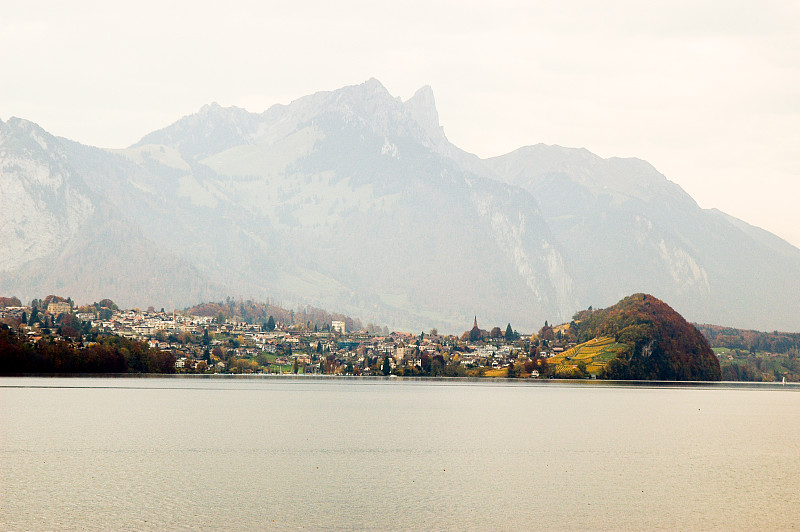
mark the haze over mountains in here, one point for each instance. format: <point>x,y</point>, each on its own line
<point>356,201</point>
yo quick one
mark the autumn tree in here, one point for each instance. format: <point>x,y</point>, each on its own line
<point>512,371</point>
<point>218,352</point>
<point>12,301</point>
<point>425,362</point>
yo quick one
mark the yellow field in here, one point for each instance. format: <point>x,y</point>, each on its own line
<point>595,354</point>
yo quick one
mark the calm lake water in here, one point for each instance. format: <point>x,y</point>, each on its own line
<point>274,453</point>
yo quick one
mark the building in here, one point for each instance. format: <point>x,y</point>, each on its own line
<point>59,307</point>
<point>339,327</point>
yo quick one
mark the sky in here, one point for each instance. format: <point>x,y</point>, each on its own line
<point>706,91</point>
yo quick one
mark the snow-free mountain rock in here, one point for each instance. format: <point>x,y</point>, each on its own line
<point>356,201</point>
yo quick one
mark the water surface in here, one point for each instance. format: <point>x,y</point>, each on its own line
<point>242,454</point>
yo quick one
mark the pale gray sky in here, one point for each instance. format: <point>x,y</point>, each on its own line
<point>708,92</point>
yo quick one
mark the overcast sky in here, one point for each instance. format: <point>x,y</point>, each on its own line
<point>708,92</point>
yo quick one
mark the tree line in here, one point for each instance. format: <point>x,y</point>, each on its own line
<point>256,312</point>
<point>108,354</point>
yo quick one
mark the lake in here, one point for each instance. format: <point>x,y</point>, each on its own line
<point>326,453</point>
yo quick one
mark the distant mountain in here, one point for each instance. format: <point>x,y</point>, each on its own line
<point>354,200</point>
<point>623,226</point>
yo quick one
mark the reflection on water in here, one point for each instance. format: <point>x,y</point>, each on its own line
<point>232,453</point>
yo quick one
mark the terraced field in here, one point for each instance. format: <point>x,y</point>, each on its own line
<point>595,353</point>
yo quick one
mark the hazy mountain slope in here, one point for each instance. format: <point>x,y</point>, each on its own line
<point>624,226</point>
<point>61,234</point>
<point>42,202</point>
<point>114,260</point>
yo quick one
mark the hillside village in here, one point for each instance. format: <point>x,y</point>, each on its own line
<point>206,344</point>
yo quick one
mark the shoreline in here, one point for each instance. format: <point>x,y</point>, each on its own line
<point>380,379</point>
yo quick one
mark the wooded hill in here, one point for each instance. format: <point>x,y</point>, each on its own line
<point>650,341</point>
<point>259,313</point>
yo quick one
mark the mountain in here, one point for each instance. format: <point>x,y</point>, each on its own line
<point>623,225</point>
<point>355,200</point>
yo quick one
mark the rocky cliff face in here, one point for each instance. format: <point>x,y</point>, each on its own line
<point>42,202</point>
<point>356,201</point>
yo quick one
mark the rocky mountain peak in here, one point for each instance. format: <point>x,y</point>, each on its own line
<point>422,107</point>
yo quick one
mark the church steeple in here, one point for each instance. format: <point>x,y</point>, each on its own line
<point>475,333</point>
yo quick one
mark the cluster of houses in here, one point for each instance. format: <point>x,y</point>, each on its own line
<point>221,346</point>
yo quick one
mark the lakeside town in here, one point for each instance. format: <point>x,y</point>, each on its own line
<point>221,344</point>
<point>54,336</point>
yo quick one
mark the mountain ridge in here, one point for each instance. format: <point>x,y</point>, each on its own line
<point>355,200</point>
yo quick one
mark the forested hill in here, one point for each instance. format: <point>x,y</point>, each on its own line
<point>259,313</point>
<point>752,341</point>
<point>658,343</point>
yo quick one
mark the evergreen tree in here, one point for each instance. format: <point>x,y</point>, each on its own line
<point>509,333</point>
<point>271,324</point>
<point>387,367</point>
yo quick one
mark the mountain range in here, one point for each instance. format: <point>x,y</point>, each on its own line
<point>355,200</point>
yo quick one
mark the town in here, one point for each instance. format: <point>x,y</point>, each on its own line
<point>221,344</point>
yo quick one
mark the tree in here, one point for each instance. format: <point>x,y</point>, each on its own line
<point>425,362</point>
<point>295,367</point>
<point>34,316</point>
<point>271,324</point>
<point>512,371</point>
<point>218,352</point>
<point>509,333</point>
<point>107,303</point>
<point>387,367</point>
<point>495,332</point>
<point>12,301</point>
<point>206,339</point>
